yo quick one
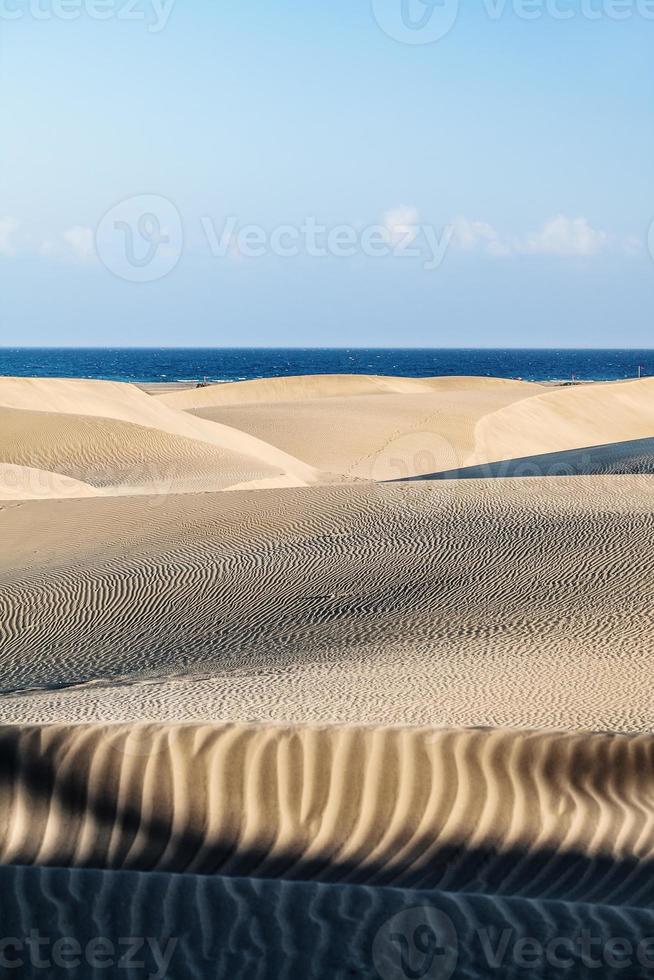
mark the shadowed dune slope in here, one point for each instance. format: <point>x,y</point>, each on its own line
<point>502,603</point>
<point>507,813</point>
<point>634,456</point>
<point>112,435</point>
<point>200,927</point>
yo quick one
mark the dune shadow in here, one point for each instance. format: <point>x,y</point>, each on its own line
<point>189,926</point>
<point>634,456</point>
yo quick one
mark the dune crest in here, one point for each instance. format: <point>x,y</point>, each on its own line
<point>112,435</point>
<point>310,386</point>
<point>567,418</point>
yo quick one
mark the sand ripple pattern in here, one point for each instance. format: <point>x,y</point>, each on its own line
<point>501,603</point>
<point>117,456</point>
<point>210,928</point>
<point>542,815</point>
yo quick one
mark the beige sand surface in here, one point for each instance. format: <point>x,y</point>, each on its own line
<point>369,428</point>
<point>306,387</point>
<point>567,418</point>
<point>298,431</point>
<point>31,483</point>
<point>394,428</point>
<point>354,664</point>
<point>113,435</point>
<point>379,806</point>
<point>499,602</point>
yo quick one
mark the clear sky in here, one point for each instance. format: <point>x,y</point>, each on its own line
<point>492,187</point>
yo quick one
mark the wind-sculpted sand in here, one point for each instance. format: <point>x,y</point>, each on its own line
<point>366,428</point>
<point>181,926</point>
<point>279,432</point>
<point>545,815</point>
<point>485,602</point>
<point>567,418</point>
<point>393,428</point>
<point>115,437</point>
<point>322,706</point>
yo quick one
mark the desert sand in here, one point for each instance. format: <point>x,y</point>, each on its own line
<point>381,633</point>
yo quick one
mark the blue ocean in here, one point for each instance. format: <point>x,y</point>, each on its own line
<point>241,363</point>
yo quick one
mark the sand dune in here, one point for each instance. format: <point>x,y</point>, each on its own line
<point>210,926</point>
<point>29,483</point>
<point>280,432</point>
<point>396,428</point>
<point>500,603</point>
<point>320,711</point>
<point>310,386</point>
<point>114,436</point>
<point>365,428</point>
<point>120,457</point>
<point>567,418</point>
<point>506,813</point>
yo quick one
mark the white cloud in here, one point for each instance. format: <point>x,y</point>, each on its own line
<point>80,242</point>
<point>7,228</point>
<point>76,243</point>
<point>566,237</point>
<point>402,225</point>
<point>631,245</point>
<point>561,236</point>
<point>478,235</point>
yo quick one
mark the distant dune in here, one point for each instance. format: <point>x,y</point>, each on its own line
<point>567,418</point>
<point>396,428</point>
<point>114,436</point>
<point>298,431</point>
<point>373,429</point>
<point>310,386</point>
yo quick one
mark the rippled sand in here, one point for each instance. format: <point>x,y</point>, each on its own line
<point>539,814</point>
<point>506,603</point>
<point>372,694</point>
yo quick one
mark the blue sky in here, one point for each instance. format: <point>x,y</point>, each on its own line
<point>523,146</point>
